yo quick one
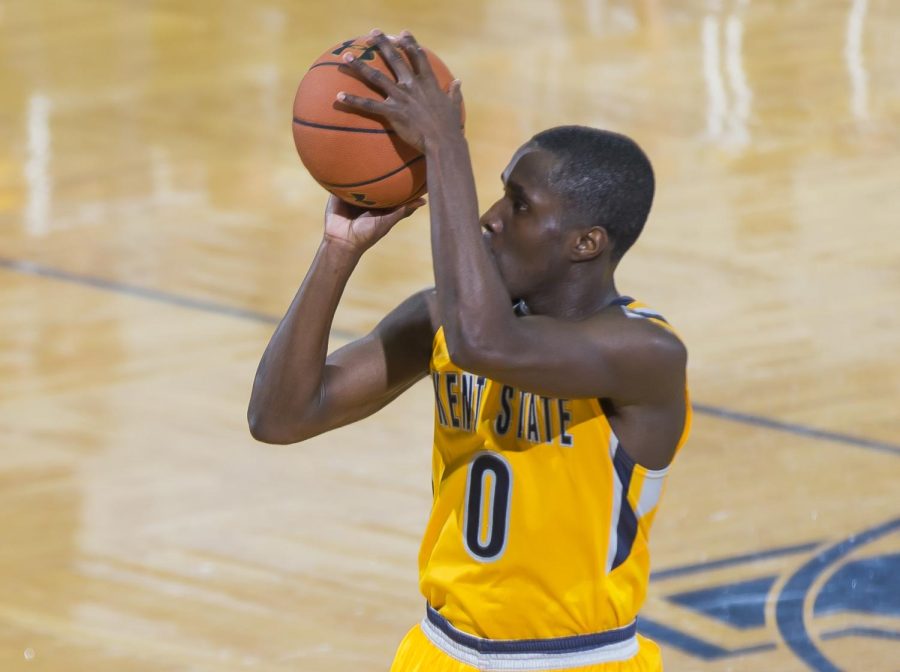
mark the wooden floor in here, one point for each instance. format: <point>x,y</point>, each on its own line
<point>155,221</point>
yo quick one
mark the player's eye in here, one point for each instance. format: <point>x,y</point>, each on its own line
<point>518,204</point>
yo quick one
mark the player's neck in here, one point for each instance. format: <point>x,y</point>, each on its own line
<point>575,297</point>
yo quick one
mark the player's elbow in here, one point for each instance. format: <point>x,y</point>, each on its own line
<point>473,354</point>
<point>263,431</point>
<point>465,357</point>
<point>482,346</point>
<point>460,348</point>
<point>269,430</point>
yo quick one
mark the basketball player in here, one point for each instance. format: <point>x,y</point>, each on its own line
<point>559,403</point>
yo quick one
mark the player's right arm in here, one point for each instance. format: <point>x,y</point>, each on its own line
<point>301,391</point>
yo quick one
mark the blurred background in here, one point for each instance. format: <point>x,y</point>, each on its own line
<point>155,222</point>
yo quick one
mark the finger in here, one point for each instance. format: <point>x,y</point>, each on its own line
<point>392,56</point>
<point>403,211</point>
<point>407,209</point>
<point>416,54</point>
<point>363,104</point>
<point>374,78</point>
<point>456,93</point>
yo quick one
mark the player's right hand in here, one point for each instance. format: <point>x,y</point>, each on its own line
<point>358,228</point>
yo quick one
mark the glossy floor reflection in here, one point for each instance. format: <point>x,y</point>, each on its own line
<point>155,221</point>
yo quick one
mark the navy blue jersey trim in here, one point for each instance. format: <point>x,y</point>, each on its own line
<point>627,527</point>
<point>625,301</point>
<point>556,645</point>
<point>650,315</point>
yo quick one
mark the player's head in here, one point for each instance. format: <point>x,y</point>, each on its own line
<point>604,179</point>
<point>572,194</point>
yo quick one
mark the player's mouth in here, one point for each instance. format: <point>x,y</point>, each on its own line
<point>488,239</point>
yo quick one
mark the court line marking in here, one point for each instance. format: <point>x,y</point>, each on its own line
<point>217,308</point>
<point>694,646</point>
<point>790,620</point>
<point>795,428</point>
<point>874,633</point>
<point>789,612</point>
<point>728,561</point>
<point>158,295</point>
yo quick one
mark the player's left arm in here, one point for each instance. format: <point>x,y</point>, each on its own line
<point>630,361</point>
<point>473,304</point>
<point>636,365</point>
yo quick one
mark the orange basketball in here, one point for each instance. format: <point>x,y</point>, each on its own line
<point>359,159</point>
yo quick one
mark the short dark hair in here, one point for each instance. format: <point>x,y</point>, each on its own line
<point>605,177</point>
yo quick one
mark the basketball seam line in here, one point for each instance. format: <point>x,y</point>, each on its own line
<point>329,185</point>
<point>328,127</point>
<point>319,65</point>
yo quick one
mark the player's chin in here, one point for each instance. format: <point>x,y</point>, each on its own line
<point>510,274</point>
<point>501,270</point>
<point>515,286</point>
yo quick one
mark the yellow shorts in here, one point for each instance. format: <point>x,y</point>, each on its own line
<point>436,646</point>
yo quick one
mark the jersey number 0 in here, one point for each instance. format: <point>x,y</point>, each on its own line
<point>486,517</point>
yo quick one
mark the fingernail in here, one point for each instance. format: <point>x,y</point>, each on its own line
<point>341,96</point>
<point>375,31</point>
<point>406,33</point>
<point>348,57</point>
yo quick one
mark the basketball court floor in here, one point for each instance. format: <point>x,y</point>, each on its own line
<point>155,222</point>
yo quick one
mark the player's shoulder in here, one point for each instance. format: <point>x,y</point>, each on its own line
<point>647,356</point>
<point>638,330</point>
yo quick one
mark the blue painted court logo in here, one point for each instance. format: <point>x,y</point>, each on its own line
<point>803,597</point>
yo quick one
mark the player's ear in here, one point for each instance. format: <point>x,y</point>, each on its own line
<point>590,243</point>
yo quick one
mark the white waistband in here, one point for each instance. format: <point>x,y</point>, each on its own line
<point>504,662</point>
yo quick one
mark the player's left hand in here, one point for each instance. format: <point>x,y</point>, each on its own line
<point>414,106</point>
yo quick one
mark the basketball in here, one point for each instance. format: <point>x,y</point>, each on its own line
<point>358,159</point>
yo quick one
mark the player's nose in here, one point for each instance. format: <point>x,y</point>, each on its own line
<point>491,222</point>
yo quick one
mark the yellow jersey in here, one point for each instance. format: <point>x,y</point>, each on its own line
<point>540,520</point>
